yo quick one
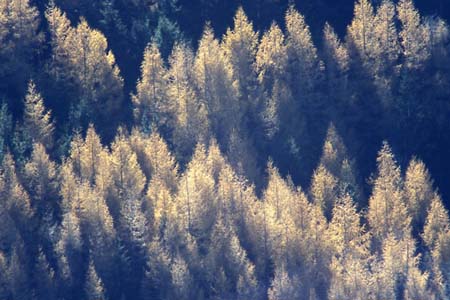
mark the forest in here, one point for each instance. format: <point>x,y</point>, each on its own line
<point>178,150</point>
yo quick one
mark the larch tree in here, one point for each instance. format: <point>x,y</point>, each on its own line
<point>160,205</point>
<point>346,232</point>
<point>277,197</point>
<point>350,279</point>
<point>240,45</point>
<point>277,106</point>
<point>74,156</point>
<point>337,62</point>
<point>215,85</point>
<point>349,183</point>
<point>89,163</point>
<point>135,225</point>
<point>351,254</point>
<point>284,286</point>
<point>300,210</point>
<point>417,284</point>
<point>416,48</point>
<point>271,65</point>
<point>139,142</point>
<point>128,178</point>
<point>362,47</point>
<point>437,221</point>
<point>68,181</point>
<point>335,160</point>
<point>175,235</point>
<point>154,157</point>
<point>400,275</point>
<point>97,74</point>
<point>387,52</point>
<point>61,34</point>
<point>88,209</point>
<point>37,120</point>
<point>304,66</point>
<point>190,120</point>
<point>419,192</point>
<point>360,34</point>
<point>91,158</point>
<point>83,64</point>
<point>271,115</point>
<point>436,236</point>
<point>86,222</point>
<point>240,154</point>
<point>304,70</point>
<point>260,239</point>
<point>42,183</point>
<point>161,172</point>
<point>196,195</point>
<point>278,192</point>
<point>440,264</point>
<point>414,36</point>
<point>151,104</point>
<point>324,190</point>
<point>98,231</point>
<point>387,212</point>
<point>126,202</point>
<point>236,202</point>
<point>227,258</point>
<point>277,229</point>
<point>386,38</point>
<point>271,58</point>
<point>307,252</point>
<point>334,151</point>
<point>335,52</point>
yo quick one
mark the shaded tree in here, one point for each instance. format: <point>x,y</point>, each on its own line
<point>21,39</point>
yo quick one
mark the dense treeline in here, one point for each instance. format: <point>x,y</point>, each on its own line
<point>124,223</point>
<point>177,193</point>
<point>366,84</point>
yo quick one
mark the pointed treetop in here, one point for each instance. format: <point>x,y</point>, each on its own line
<point>242,32</point>
<point>37,119</point>
<point>437,222</point>
<point>335,50</point>
<point>360,31</point>
<point>271,57</point>
<point>419,191</point>
<point>414,36</point>
<point>334,151</point>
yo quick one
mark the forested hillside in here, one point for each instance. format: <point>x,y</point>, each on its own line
<point>168,150</point>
